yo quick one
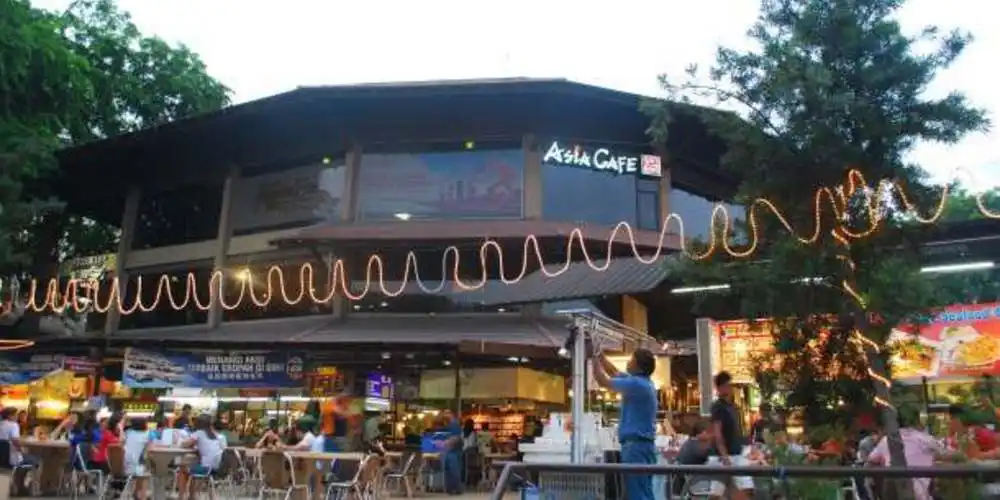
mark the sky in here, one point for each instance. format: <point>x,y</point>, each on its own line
<point>263,48</point>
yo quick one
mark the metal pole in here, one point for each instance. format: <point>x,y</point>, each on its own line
<point>579,396</point>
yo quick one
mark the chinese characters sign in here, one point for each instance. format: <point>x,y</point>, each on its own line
<point>162,369</point>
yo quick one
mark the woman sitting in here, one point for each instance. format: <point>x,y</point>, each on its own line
<point>136,442</point>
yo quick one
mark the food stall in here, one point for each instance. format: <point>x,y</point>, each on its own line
<point>504,397</point>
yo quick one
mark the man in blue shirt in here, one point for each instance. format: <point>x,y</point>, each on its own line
<point>451,453</point>
<point>637,426</point>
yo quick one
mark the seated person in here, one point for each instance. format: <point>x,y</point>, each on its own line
<point>695,451</point>
<point>135,444</point>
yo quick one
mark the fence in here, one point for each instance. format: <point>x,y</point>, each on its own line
<point>977,473</point>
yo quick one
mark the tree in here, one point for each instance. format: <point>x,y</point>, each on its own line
<point>70,78</point>
<point>831,85</point>
<point>964,205</point>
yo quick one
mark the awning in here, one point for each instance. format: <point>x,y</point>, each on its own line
<point>485,333</point>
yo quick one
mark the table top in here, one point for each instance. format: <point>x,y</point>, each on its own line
<point>399,454</point>
<point>48,443</point>
<point>316,455</point>
<point>170,450</point>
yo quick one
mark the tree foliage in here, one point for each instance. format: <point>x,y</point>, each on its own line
<point>830,85</point>
<point>69,78</point>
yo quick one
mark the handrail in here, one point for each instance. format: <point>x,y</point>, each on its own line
<point>979,473</point>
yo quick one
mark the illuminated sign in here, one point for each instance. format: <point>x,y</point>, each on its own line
<point>602,159</point>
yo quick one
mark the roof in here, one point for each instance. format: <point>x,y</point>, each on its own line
<point>371,329</point>
<point>580,280</point>
<point>309,121</point>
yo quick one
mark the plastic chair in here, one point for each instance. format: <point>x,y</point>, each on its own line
<point>80,470</point>
<point>401,479</point>
<point>337,490</point>
<point>208,476</point>
<point>133,466</point>
<point>25,468</point>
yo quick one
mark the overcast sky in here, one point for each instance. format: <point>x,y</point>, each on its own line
<point>262,48</point>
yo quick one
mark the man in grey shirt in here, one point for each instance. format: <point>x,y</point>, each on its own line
<point>695,451</point>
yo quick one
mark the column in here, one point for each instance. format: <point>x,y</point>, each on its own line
<point>341,306</point>
<point>222,246</point>
<point>706,364</point>
<point>129,217</point>
<point>458,385</point>
<point>532,190</point>
<point>665,186</point>
<point>634,314</point>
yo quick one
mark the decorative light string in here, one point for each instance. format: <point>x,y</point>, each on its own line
<point>102,297</point>
<point>14,344</point>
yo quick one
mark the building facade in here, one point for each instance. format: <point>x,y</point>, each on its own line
<point>402,171</point>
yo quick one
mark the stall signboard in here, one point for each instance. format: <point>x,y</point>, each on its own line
<point>378,386</point>
<point>959,341</point>
<point>164,369</point>
<point>602,159</point>
<point>22,367</point>
<point>741,343</point>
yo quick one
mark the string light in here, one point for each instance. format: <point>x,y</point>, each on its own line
<point>13,344</point>
<point>102,297</point>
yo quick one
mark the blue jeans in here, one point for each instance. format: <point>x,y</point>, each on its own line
<point>639,486</point>
<point>452,465</point>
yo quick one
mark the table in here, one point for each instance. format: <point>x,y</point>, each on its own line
<point>160,458</point>
<point>53,457</point>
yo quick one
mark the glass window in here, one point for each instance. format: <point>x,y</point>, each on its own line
<point>442,185</point>
<point>587,196</point>
<point>181,215</point>
<point>288,198</point>
<point>696,212</point>
<point>648,210</point>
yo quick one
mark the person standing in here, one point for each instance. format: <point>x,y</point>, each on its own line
<point>451,448</point>
<point>728,438</point>
<point>637,427</point>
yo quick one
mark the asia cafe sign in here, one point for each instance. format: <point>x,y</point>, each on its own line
<point>602,159</point>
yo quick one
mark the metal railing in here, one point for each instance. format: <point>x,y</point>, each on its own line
<point>980,473</point>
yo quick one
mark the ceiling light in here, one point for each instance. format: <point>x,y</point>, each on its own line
<point>958,268</point>
<point>402,216</point>
<point>696,289</point>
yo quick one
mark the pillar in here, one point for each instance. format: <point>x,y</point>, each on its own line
<point>532,186</point>
<point>341,306</point>
<point>129,217</point>
<point>665,187</point>
<point>458,385</point>
<point>634,314</point>
<point>706,344</point>
<point>225,233</point>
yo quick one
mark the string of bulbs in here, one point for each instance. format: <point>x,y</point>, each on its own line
<point>105,296</point>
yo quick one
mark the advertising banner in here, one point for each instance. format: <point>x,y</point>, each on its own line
<point>23,367</point>
<point>960,341</point>
<point>164,369</point>
<point>435,186</point>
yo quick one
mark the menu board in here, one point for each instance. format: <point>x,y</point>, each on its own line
<point>960,341</point>
<point>740,343</point>
<point>378,386</point>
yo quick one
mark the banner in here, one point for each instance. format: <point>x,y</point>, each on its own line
<point>296,197</point>
<point>961,341</point>
<point>166,369</point>
<point>21,368</point>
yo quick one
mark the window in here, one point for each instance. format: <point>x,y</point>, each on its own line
<point>181,215</point>
<point>587,196</point>
<point>485,184</point>
<point>288,198</point>
<point>696,212</point>
<point>648,204</point>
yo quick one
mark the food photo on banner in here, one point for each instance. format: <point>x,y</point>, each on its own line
<point>959,341</point>
<point>164,369</point>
